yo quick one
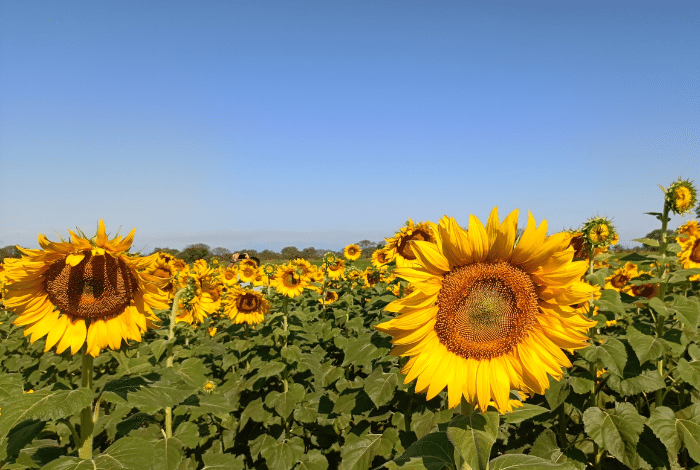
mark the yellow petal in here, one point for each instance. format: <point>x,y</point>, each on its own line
<point>478,240</point>
<point>74,259</point>
<point>101,238</point>
<point>428,255</point>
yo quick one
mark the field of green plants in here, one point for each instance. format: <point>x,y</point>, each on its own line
<point>288,370</point>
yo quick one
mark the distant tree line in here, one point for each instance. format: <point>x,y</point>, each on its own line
<point>197,251</point>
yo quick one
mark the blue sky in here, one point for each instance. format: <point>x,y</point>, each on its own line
<point>320,123</point>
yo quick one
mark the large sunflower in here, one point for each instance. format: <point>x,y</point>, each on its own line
<point>83,290</point>
<point>488,316</point>
<point>352,252</point>
<point>689,255</point>
<point>288,281</point>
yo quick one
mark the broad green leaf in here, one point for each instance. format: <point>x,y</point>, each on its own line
<point>270,369</point>
<point>125,453</point>
<point>688,427</point>
<point>381,386</point>
<point>22,434</point>
<point>285,402</point>
<point>222,462</point>
<point>690,372</point>
<point>609,301</point>
<point>263,441</point>
<point>358,452</point>
<point>473,436</point>
<point>282,455</point>
<point>616,430</point>
<point>42,405</point>
<point>313,460</point>
<point>191,371</point>
<point>647,241</point>
<point>581,384</point>
<point>647,381</point>
<point>158,347</point>
<point>432,452</point>
<point>556,393</point>
<point>11,385</point>
<point>168,454</point>
<point>255,411</point>
<point>658,306</point>
<point>117,390</point>
<point>687,310</point>
<point>187,433</point>
<point>683,274</point>
<point>646,347</point>
<point>546,447</point>
<point>134,421</point>
<point>165,392</point>
<point>361,353</point>
<point>613,355</point>
<point>526,411</point>
<point>526,462</point>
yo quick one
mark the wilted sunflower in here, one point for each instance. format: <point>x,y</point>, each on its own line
<point>399,247</point>
<point>352,252</point>
<point>619,279</point>
<point>164,266</point>
<point>336,270</point>
<point>246,306</point>
<point>83,290</point>
<point>288,281</point>
<point>489,316</point>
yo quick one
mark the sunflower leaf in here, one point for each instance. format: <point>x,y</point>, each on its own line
<point>613,355</point>
<point>646,347</point>
<point>169,454</point>
<point>526,462</point>
<point>609,301</point>
<point>381,386</point>
<point>687,310</point>
<point>282,454</point>
<point>616,430</point>
<point>524,412</point>
<point>313,460</point>
<point>11,385</point>
<point>690,372</point>
<point>222,462</point>
<point>473,436</point>
<point>432,452</point>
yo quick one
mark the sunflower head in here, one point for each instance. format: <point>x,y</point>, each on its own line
<point>289,280</point>
<point>84,290</point>
<point>400,246</point>
<point>380,257</point>
<point>330,297</point>
<point>329,258</point>
<point>488,316</point>
<point>269,269</point>
<point>599,231</point>
<point>246,306</point>
<point>352,252</point>
<point>681,196</point>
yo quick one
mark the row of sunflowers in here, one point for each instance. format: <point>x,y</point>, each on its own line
<point>478,347</point>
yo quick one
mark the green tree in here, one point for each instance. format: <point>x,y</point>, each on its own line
<point>9,251</point>
<point>656,235</point>
<point>290,252</point>
<point>170,251</point>
<point>192,253</point>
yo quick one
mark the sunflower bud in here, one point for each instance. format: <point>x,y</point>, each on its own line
<point>681,196</point>
<point>599,231</point>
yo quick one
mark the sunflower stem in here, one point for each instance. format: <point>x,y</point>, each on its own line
<point>662,293</point>
<point>87,425</point>
<point>285,325</point>
<point>170,359</point>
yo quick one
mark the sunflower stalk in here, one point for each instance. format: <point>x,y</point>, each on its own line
<point>87,423</point>
<point>285,324</point>
<point>663,275</point>
<point>170,359</point>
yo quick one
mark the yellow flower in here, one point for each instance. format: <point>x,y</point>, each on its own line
<point>599,231</point>
<point>336,270</point>
<point>288,281</point>
<point>399,246</point>
<point>352,252</point>
<point>331,296</point>
<point>621,277</point>
<point>380,258</point>
<point>488,316</point>
<point>611,323</point>
<point>229,275</point>
<point>600,373</point>
<point>246,306</point>
<point>84,291</point>
<point>209,386</point>
<point>212,331</point>
<point>689,255</point>
<point>688,230</point>
<point>681,196</point>
<point>203,295</point>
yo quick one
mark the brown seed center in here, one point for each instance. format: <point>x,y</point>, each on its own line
<point>619,280</point>
<point>247,303</point>
<point>695,252</point>
<point>485,309</point>
<point>99,286</point>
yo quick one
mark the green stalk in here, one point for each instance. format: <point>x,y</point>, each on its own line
<point>285,325</point>
<point>170,358</point>
<point>662,293</point>
<point>87,424</point>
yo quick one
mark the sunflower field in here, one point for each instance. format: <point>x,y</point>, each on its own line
<point>476,346</point>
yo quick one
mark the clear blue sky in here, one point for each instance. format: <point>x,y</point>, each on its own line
<point>263,124</point>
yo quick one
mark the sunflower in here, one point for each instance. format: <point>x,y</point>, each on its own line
<point>164,266</point>
<point>352,252</point>
<point>336,270</point>
<point>619,279</point>
<point>488,316</point>
<point>269,269</point>
<point>229,275</point>
<point>83,291</point>
<point>689,255</point>
<point>681,196</point>
<point>687,230</point>
<point>599,231</point>
<point>331,296</point>
<point>288,281</point>
<point>372,276</point>
<point>399,247</point>
<point>203,295</point>
<point>246,306</point>
<point>380,258</point>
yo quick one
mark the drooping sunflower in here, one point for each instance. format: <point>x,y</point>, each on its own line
<point>288,281</point>
<point>246,306</point>
<point>488,316</point>
<point>619,279</point>
<point>681,196</point>
<point>352,252</point>
<point>336,270</point>
<point>399,246</point>
<point>84,291</point>
<point>203,295</point>
<point>330,297</point>
<point>164,266</point>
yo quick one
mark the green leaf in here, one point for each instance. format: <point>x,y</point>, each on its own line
<point>687,310</point>
<point>313,460</point>
<point>645,382</point>
<point>658,306</point>
<point>616,430</point>
<point>663,422</point>
<point>125,453</point>
<point>285,402</point>
<point>546,447</point>
<point>556,393</point>
<point>381,386</point>
<point>11,385</point>
<point>168,454</point>
<point>43,405</point>
<point>526,462</point>
<point>117,390</point>
<point>690,372</point>
<point>255,411</point>
<point>282,455</point>
<point>646,347</point>
<point>473,436</point>
<point>432,452</point>
<point>271,368</point>
<point>222,462</point>
<point>158,347</point>
<point>22,434</point>
<point>187,433</point>
<point>134,421</point>
<point>688,427</point>
<point>647,241</point>
<point>191,371</point>
<point>683,274</point>
<point>609,301</point>
<point>358,452</point>
<point>527,411</point>
<point>613,355</point>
